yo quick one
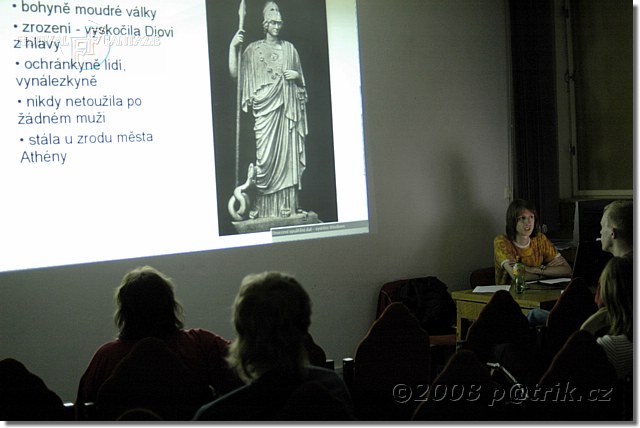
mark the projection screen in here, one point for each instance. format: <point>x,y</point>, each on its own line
<point>127,134</point>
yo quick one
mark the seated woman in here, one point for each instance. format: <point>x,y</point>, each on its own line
<point>147,308</point>
<point>523,238</point>
<point>271,315</point>
<point>616,291</point>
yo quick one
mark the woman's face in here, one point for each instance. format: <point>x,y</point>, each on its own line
<point>526,223</point>
<point>274,27</point>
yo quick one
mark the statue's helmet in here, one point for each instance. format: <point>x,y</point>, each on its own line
<point>271,13</point>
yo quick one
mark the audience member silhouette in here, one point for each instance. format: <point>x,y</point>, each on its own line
<point>616,237</point>
<point>586,366</point>
<point>147,308</point>
<point>616,288</point>
<point>616,228</point>
<point>25,397</point>
<point>271,316</point>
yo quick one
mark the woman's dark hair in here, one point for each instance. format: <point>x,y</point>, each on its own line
<point>515,209</point>
<point>272,314</point>
<point>146,305</point>
<point>616,289</point>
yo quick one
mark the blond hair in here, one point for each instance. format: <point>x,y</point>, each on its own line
<point>271,315</point>
<point>616,282</point>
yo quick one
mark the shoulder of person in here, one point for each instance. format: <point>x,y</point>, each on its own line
<point>611,340</point>
<point>331,382</point>
<point>598,323</point>
<point>228,407</point>
<point>602,312</point>
<point>202,335</point>
<point>110,353</point>
<point>116,345</point>
<point>252,46</point>
<point>316,371</point>
<point>322,375</point>
<point>541,237</point>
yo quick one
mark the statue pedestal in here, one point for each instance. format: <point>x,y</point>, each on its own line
<point>267,223</point>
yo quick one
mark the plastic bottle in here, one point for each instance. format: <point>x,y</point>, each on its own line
<point>519,273</point>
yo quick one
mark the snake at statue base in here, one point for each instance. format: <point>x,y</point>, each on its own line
<point>239,196</point>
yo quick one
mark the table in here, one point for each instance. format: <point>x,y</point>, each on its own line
<point>469,304</point>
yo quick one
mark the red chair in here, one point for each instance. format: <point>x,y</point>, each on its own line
<point>482,276</point>
<point>428,300</point>
<point>394,351</point>
<point>500,321</point>
<point>574,306</point>
<point>463,391</point>
<point>580,384</point>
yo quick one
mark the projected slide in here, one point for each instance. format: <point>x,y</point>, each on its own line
<point>134,129</point>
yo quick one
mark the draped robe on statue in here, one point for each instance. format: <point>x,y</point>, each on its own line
<point>280,127</point>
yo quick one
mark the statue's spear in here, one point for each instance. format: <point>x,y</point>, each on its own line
<point>242,11</point>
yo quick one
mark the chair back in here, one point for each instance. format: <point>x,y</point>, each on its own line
<point>427,298</point>
<point>482,276</point>
<point>395,351</point>
<point>500,321</point>
<point>580,384</point>
<point>463,391</point>
<point>574,306</point>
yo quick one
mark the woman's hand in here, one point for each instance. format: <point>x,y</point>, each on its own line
<point>291,75</point>
<point>237,39</point>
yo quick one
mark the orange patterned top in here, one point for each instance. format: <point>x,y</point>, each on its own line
<point>540,250</point>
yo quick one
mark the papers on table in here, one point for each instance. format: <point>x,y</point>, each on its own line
<point>550,281</point>
<point>549,284</point>
<point>490,288</point>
